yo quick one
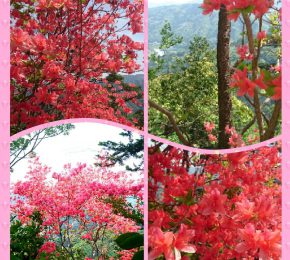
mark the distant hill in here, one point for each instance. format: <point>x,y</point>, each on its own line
<point>137,79</point>
<point>188,21</point>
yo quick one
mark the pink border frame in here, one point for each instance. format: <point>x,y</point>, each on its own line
<point>5,137</point>
<point>146,129</point>
<point>75,120</point>
<point>4,129</point>
<point>286,130</point>
<point>214,151</point>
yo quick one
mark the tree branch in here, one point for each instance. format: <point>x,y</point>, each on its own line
<point>172,121</point>
<point>270,132</point>
<point>257,106</point>
<point>246,128</point>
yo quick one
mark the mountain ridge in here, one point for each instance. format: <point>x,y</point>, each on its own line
<point>187,21</point>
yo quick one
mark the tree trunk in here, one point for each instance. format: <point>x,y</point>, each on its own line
<point>223,63</point>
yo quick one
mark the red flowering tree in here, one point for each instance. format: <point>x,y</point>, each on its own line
<point>260,86</point>
<point>214,206</point>
<point>61,53</point>
<point>78,209</point>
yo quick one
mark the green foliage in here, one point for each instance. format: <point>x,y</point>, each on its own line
<point>138,255</point>
<point>80,248</point>
<point>241,114</point>
<point>168,39</point>
<point>26,240</point>
<point>275,30</point>
<point>132,240</point>
<point>126,209</point>
<point>188,93</point>
<point>188,89</point>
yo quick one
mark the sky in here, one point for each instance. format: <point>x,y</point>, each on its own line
<point>81,145</point>
<point>156,3</point>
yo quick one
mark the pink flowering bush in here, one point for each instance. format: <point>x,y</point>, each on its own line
<point>76,207</point>
<point>214,206</point>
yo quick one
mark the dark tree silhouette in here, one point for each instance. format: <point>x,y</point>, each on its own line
<point>119,153</point>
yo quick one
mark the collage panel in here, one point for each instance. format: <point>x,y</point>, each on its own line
<point>214,206</point>
<point>77,193</point>
<point>215,72</point>
<point>76,59</point>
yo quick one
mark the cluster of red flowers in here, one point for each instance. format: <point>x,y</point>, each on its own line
<point>48,247</point>
<point>60,53</point>
<point>215,206</point>
<point>236,7</point>
<point>240,79</point>
<point>235,139</point>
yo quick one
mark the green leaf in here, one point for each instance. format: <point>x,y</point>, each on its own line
<point>267,75</point>
<point>242,65</point>
<point>130,240</point>
<point>270,91</point>
<point>189,198</point>
<point>13,257</point>
<point>138,255</point>
<point>249,9</point>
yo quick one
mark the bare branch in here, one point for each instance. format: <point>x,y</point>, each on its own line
<point>164,111</point>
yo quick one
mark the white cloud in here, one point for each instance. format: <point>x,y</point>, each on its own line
<point>81,145</point>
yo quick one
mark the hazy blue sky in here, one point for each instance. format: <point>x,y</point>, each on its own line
<point>81,145</point>
<point>155,3</point>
